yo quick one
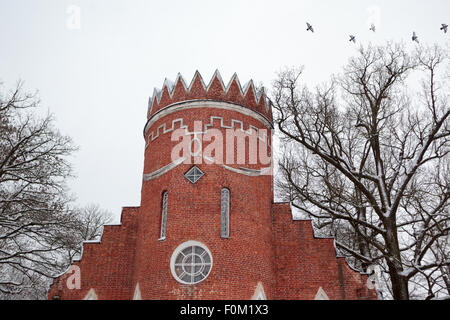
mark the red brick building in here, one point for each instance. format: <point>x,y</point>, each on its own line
<point>207,226</point>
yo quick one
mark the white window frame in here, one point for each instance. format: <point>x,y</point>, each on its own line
<point>164,207</point>
<point>197,176</point>
<point>178,250</point>
<point>225,213</point>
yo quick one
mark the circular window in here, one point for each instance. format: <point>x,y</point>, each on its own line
<point>191,262</point>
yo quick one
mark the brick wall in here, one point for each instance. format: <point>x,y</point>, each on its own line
<point>305,263</point>
<point>106,266</point>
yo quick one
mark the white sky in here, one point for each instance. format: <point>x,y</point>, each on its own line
<point>97,80</point>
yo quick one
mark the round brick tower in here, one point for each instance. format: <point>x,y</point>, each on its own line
<point>204,228</point>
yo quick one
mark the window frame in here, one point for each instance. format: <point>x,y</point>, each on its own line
<point>225,196</point>
<point>178,251</point>
<point>198,174</point>
<point>164,209</point>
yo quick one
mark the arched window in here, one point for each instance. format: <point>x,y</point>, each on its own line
<point>225,213</point>
<point>165,198</point>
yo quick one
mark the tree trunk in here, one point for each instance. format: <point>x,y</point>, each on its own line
<point>399,283</point>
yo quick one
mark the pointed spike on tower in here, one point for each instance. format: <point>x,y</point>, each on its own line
<point>261,101</point>
<point>165,98</point>
<point>217,75</point>
<point>180,91</point>
<point>234,78</point>
<point>157,95</point>
<point>197,88</point>
<point>260,92</point>
<point>249,95</point>
<point>234,90</point>
<point>180,79</point>
<point>177,91</point>
<point>150,105</point>
<point>169,84</point>
<point>153,102</point>
<point>216,88</point>
<point>268,108</point>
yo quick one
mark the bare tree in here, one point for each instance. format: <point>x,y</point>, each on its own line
<point>367,157</point>
<point>40,230</point>
<point>34,221</point>
<point>92,220</point>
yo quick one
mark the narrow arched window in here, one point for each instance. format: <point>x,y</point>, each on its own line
<point>225,213</point>
<point>165,198</point>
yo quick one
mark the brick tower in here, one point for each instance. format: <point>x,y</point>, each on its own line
<point>207,226</point>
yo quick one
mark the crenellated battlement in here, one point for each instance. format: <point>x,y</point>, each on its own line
<point>172,92</point>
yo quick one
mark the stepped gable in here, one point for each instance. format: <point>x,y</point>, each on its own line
<point>173,92</point>
<point>105,264</point>
<point>315,264</point>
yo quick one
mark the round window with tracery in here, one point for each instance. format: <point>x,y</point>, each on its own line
<point>191,262</point>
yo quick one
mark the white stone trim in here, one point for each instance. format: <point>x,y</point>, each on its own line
<point>155,134</point>
<point>91,295</point>
<point>195,104</point>
<point>137,293</point>
<point>159,172</point>
<point>247,171</point>
<point>321,295</point>
<point>259,292</point>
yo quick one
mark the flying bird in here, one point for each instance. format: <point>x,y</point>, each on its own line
<point>310,28</point>
<point>444,27</point>
<point>415,37</point>
<point>372,27</point>
<point>352,38</point>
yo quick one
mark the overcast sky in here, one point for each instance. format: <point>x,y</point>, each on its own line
<point>96,76</point>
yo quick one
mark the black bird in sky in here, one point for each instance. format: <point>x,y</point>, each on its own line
<point>372,27</point>
<point>415,37</point>
<point>444,27</point>
<point>310,28</point>
<point>352,38</point>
